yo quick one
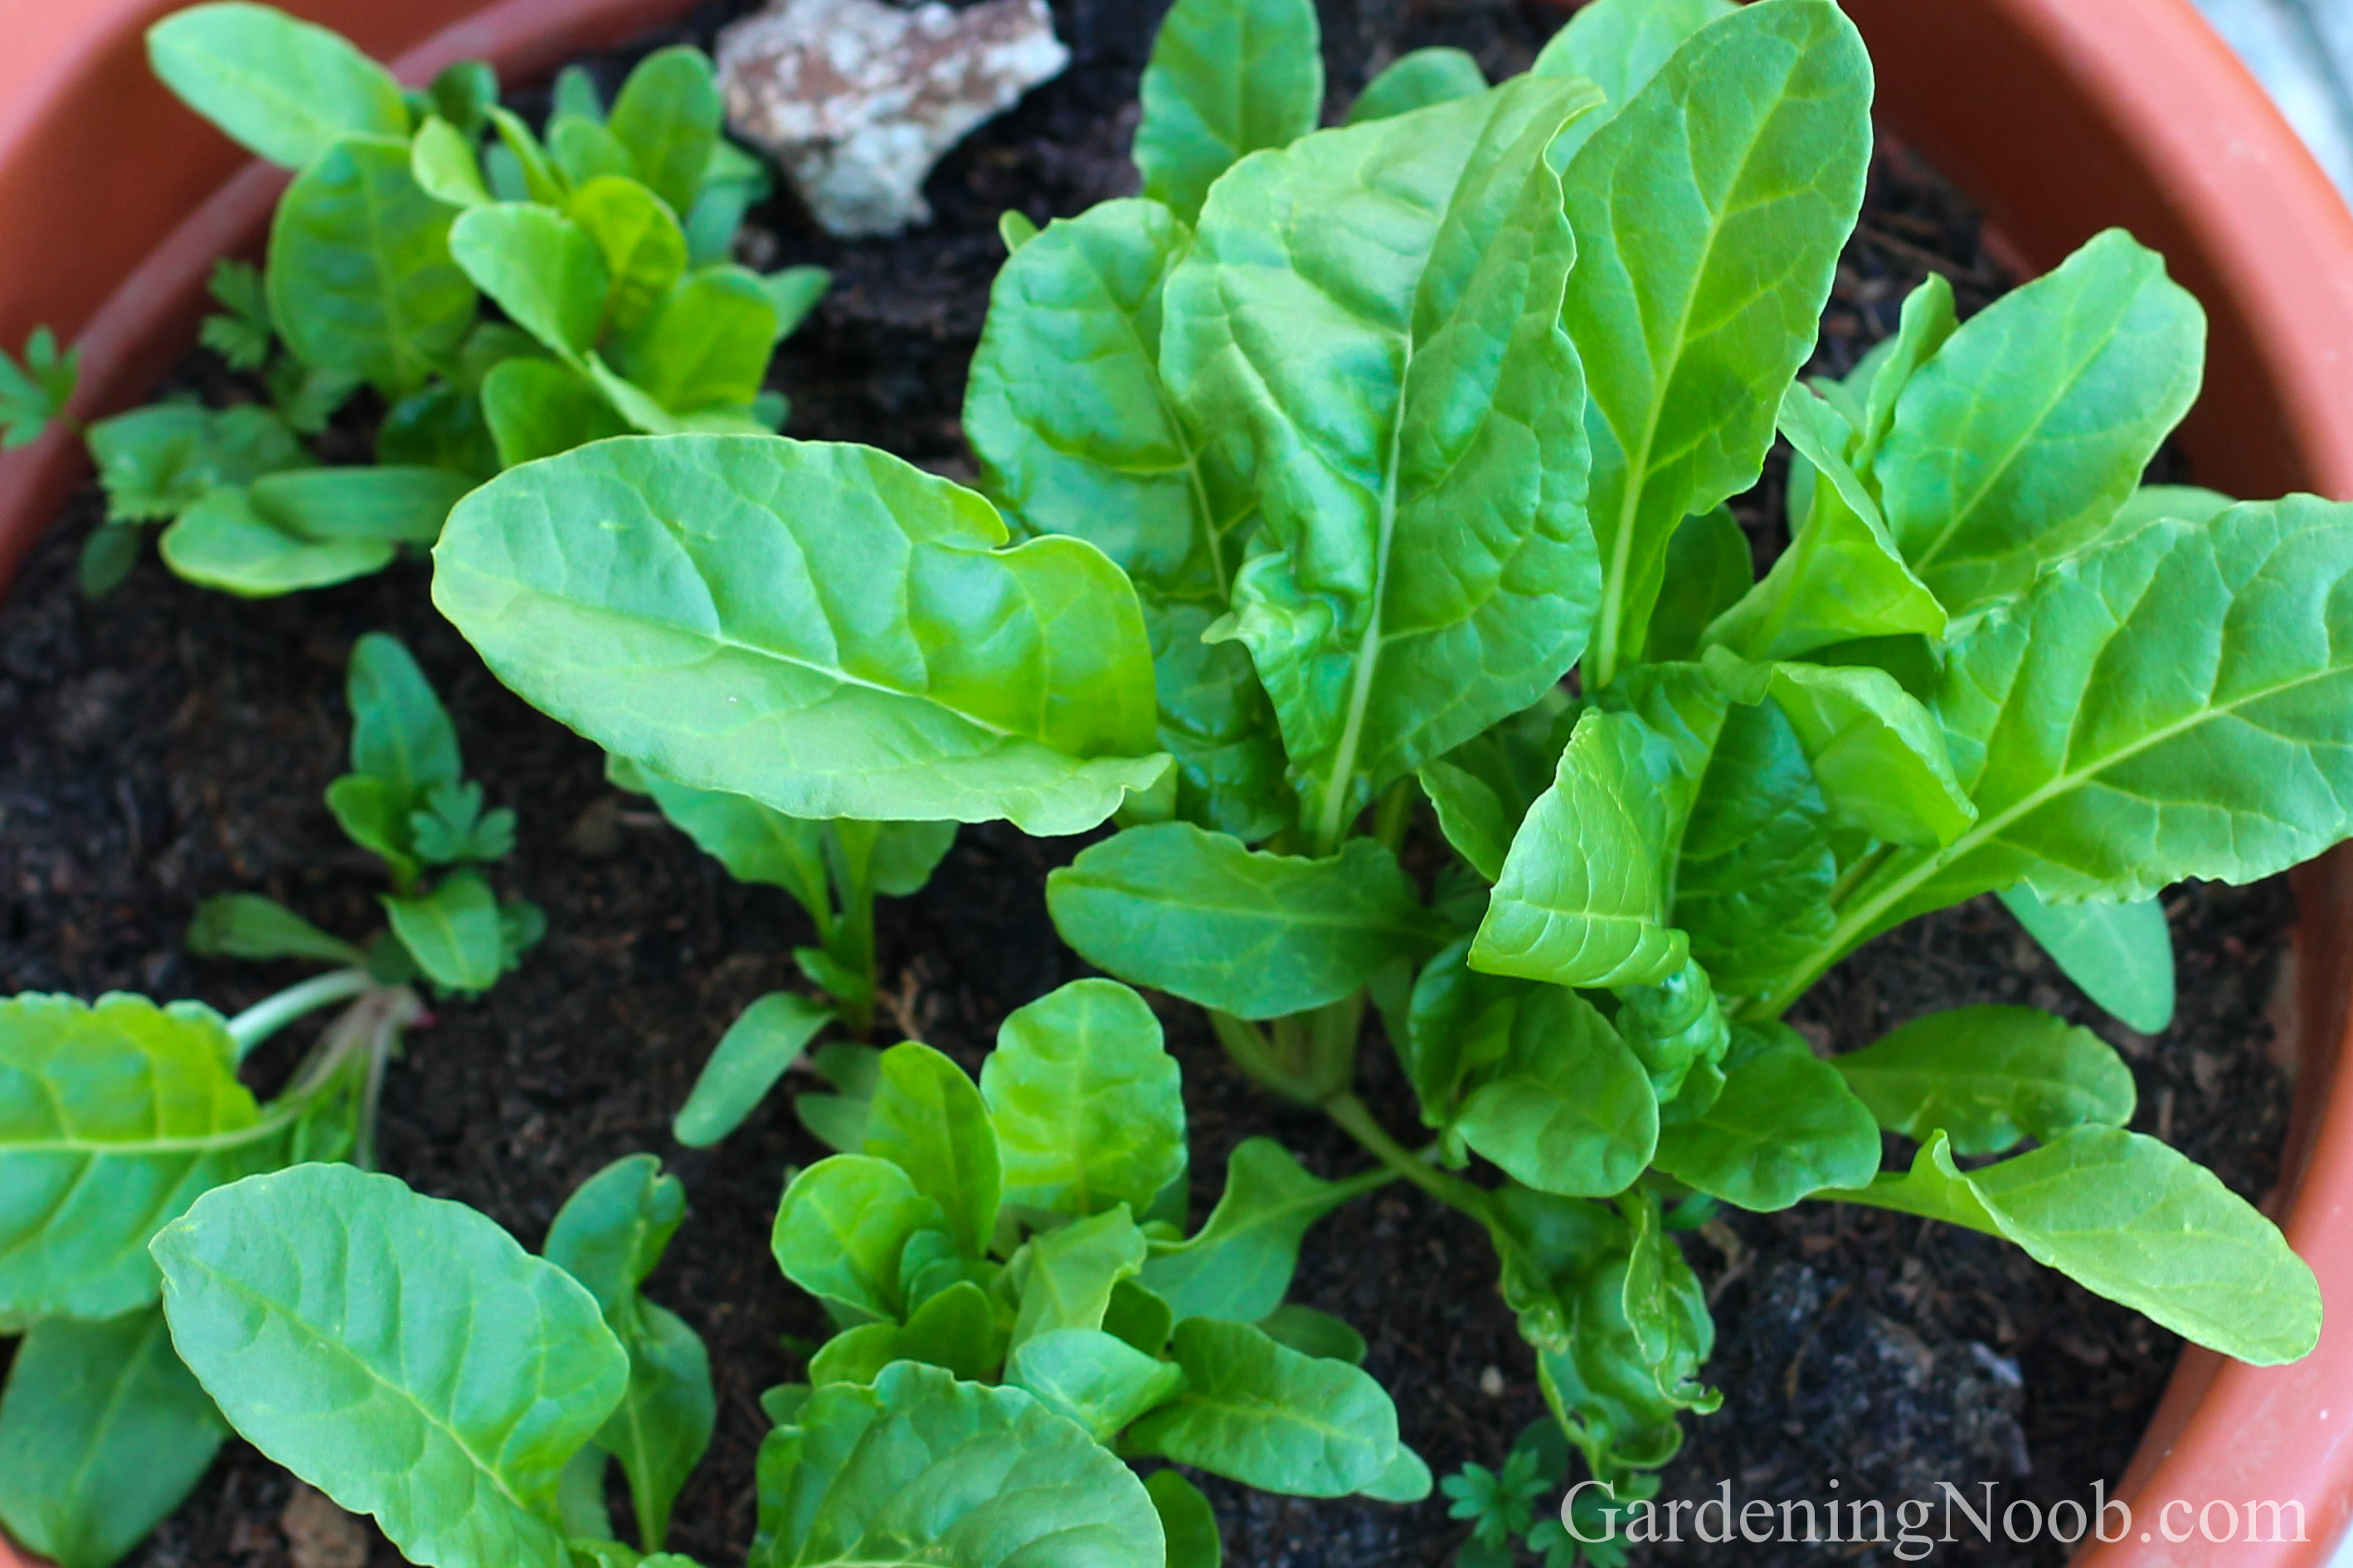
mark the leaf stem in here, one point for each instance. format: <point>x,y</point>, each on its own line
<point>266,1017</point>
<point>1356,1120</point>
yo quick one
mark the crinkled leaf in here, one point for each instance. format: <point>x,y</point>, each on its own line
<point>1266,1417</point>
<point>1085,1100</point>
<point>1569,1107</point>
<point>1784,1126</point>
<point>842,1227</point>
<point>744,1066</point>
<point>282,87</point>
<point>2121,954</point>
<point>1071,1271</point>
<point>1988,1076</point>
<point>1227,77</point>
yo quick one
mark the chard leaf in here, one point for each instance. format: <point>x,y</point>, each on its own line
<point>610,1235</point>
<point>247,925</point>
<point>2021,439</point>
<point>103,1432</point>
<point>1985,1077</point>
<point>1483,788</point>
<point>644,248</point>
<point>955,1328</point>
<point>400,1352</point>
<point>1876,752</point>
<point>843,1224</point>
<point>705,342</point>
<point>927,1117</point>
<point>1238,1265</point>
<point>1215,720</point>
<point>1246,932</point>
<point>1227,77</point>
<point>1258,1413</point>
<point>920,1468</point>
<point>2121,954</point>
<point>1072,1273</point>
<point>1458,1021</point>
<point>227,543</point>
<point>388,503</point>
<point>454,932</point>
<point>1928,322</point>
<point>361,279</point>
<point>462,94</point>
<point>1417,80</point>
<point>446,166</point>
<point>530,176</point>
<point>1619,45</point>
<point>401,734</point>
<point>113,1118</point>
<point>1425,568</point>
<point>1783,1127</point>
<point>536,408</point>
<point>584,150</point>
<point>1751,140</point>
<point>1314,1333</point>
<point>1187,1517</point>
<point>281,87</point>
<point>1755,867</point>
<point>835,633</point>
<point>744,1066</point>
<point>1709,569</point>
<point>1099,1381</point>
<point>667,116</point>
<point>792,293</point>
<point>1085,1100</point>
<point>544,270</point>
<point>1568,1109</point>
<point>2128,1218</point>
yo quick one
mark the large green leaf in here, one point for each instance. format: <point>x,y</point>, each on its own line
<point>2125,1216</point>
<point>2021,439</point>
<point>103,1432</point>
<point>610,1235</point>
<point>1227,77</point>
<point>1239,1264</point>
<point>113,1118</point>
<point>1263,1415</point>
<point>1568,1109</point>
<point>1988,1076</point>
<point>400,1352</point>
<point>1251,933</point>
<point>822,628</point>
<point>285,88</point>
<point>842,1228</point>
<point>1086,1101</point>
<point>2121,954</point>
<point>361,279</point>
<point>927,1117</point>
<point>1709,213</point>
<point>1783,1127</point>
<point>922,1468</point>
<point>1413,428</point>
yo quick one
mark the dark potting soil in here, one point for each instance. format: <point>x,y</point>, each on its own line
<point>167,744</point>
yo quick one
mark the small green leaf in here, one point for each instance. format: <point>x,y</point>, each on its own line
<point>1709,569</point>
<point>536,408</point>
<point>840,1231</point>
<point>453,932</point>
<point>1311,1333</point>
<point>792,293</point>
<point>1619,45</point>
<point>1988,1076</point>
<point>375,816</point>
<point>453,828</point>
<point>1783,1127</point>
<point>400,1352</point>
<point>1099,1381</point>
<point>445,166</point>
<point>1257,1413</point>
<point>158,462</point>
<point>2121,954</point>
<point>1254,934</point>
<point>225,541</point>
<point>544,270</point>
<point>108,555</point>
<point>1071,1272</point>
<point>667,115</point>
<point>2128,1218</point>
<point>928,1118</point>
<point>282,87</point>
<point>462,94</point>
<point>103,1432</point>
<point>1187,1519</point>
<point>1568,1109</point>
<point>243,335</point>
<point>704,342</point>
<point>744,1066</point>
<point>1417,80</point>
<point>1238,1266</point>
<point>1085,1100</point>
<point>584,150</point>
<point>644,250</point>
<point>1227,77</point>
<point>247,925</point>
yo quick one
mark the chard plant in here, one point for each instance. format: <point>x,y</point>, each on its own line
<point>1368,484</point>
<point>605,246</point>
<point>115,1116</point>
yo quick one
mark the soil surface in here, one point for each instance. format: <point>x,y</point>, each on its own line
<point>167,744</point>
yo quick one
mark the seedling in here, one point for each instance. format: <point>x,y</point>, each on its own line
<point>115,1116</point>
<point>605,248</point>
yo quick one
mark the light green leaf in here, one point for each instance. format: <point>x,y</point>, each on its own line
<point>1928,322</point>
<point>792,293</point>
<point>113,1118</point>
<point>1099,1381</point>
<point>445,166</point>
<point>705,342</point>
<point>920,1468</point>
<point>227,543</point>
<point>1253,934</point>
<point>585,149</point>
<point>247,925</point>
<point>840,1231</point>
<point>2021,439</point>
<point>1568,1109</point>
<point>1311,1333</point>
<point>1266,1417</point>
<point>836,635</point>
<point>644,248</point>
<point>1227,77</point>
<point>388,503</point>
<point>1583,896</point>
<point>544,271</point>
<point>1417,80</point>
<point>361,279</point>
<point>1071,1271</point>
<point>667,116</point>
<point>540,180</point>
<point>2187,503</point>
<point>1988,1076</point>
<point>1187,1518</point>
<point>1619,45</point>
<point>1425,568</point>
<point>1085,1100</point>
<point>1785,1126</point>
<point>282,87</point>
<point>536,408</point>
<point>158,462</point>
<point>2128,1218</point>
<point>452,933</point>
<point>1750,140</point>
<point>744,1066</point>
<point>400,733</point>
<point>103,1432</point>
<point>1238,1265</point>
<point>927,1117</point>
<point>2121,954</point>
<point>1876,752</point>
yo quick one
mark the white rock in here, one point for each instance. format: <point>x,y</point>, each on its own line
<point>857,99</point>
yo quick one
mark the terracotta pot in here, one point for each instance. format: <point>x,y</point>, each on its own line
<point>2060,117</point>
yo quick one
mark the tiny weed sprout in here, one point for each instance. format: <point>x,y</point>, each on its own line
<point>604,245</point>
<point>116,1116</point>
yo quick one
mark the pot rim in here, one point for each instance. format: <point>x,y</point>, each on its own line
<point>2269,236</point>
